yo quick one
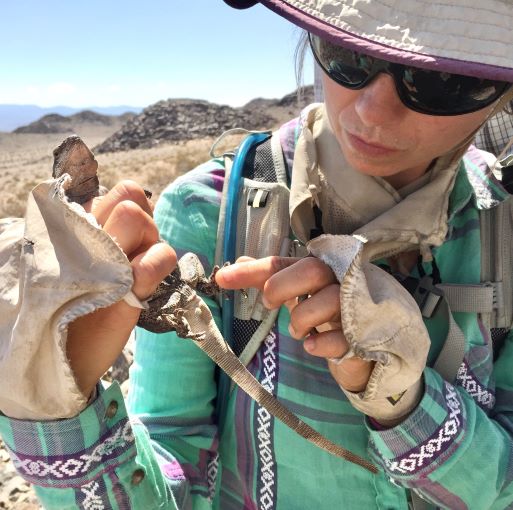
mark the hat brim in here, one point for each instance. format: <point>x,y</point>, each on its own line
<point>241,4</point>
<point>455,37</point>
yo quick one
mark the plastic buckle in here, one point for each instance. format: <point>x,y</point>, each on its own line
<point>427,296</point>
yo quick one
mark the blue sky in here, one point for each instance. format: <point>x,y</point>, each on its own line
<point>106,53</point>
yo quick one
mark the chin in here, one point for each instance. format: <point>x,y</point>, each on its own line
<point>365,167</point>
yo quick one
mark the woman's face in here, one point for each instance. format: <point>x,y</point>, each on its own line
<point>380,136</point>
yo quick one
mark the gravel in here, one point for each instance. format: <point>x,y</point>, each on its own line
<point>15,493</point>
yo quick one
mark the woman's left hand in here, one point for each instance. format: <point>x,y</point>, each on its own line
<point>316,318</point>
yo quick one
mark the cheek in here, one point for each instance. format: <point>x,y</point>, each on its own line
<point>336,98</point>
<point>340,109</point>
<point>447,132</point>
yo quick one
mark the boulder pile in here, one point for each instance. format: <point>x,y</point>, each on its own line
<point>176,120</point>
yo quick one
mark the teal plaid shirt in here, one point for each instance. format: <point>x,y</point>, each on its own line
<point>163,449</point>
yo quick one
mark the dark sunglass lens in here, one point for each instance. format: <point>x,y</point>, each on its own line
<point>344,66</point>
<point>345,75</point>
<point>447,94</point>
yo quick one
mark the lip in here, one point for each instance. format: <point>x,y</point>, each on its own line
<point>368,147</point>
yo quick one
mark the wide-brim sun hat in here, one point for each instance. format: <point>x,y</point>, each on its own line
<point>456,36</point>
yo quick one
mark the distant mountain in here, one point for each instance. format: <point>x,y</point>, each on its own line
<point>56,123</point>
<point>13,116</point>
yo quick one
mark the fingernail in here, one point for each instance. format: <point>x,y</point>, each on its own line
<point>292,331</point>
<point>309,344</point>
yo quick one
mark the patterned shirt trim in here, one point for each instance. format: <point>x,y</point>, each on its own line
<point>78,469</point>
<point>93,495</point>
<point>437,445</point>
<point>266,486</point>
<point>467,380</point>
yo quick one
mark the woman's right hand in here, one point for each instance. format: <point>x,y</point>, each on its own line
<point>96,340</point>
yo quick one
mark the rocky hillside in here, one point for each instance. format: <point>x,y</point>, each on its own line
<point>177,120</point>
<point>55,123</point>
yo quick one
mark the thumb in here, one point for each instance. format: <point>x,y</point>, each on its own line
<point>151,267</point>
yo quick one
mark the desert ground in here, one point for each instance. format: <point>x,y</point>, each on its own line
<point>26,160</point>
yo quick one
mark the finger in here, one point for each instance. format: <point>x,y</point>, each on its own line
<point>151,267</point>
<point>352,373</point>
<point>251,273</point>
<point>322,307</point>
<point>330,344</point>
<point>133,229</point>
<point>90,206</point>
<point>307,276</point>
<point>124,190</point>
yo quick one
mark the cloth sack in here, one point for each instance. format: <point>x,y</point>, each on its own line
<point>381,323</point>
<point>56,265</point>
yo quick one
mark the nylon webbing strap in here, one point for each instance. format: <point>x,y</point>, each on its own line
<point>451,356</point>
<point>469,298</point>
<point>432,300</point>
<point>219,352</point>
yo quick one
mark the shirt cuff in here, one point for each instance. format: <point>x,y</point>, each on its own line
<point>72,452</point>
<point>427,437</point>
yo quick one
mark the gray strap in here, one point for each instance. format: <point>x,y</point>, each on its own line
<point>453,350</point>
<point>482,298</point>
<point>431,300</point>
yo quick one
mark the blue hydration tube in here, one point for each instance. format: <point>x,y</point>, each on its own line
<point>230,225</point>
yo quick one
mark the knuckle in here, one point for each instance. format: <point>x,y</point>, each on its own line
<point>129,211</point>
<point>147,275</point>
<point>277,263</point>
<point>301,320</point>
<point>170,257</point>
<point>159,261</point>
<point>130,190</point>
<point>333,291</point>
<point>314,269</point>
<point>146,271</point>
<point>271,293</point>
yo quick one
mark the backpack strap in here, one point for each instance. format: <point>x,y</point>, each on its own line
<point>253,221</point>
<point>497,260</point>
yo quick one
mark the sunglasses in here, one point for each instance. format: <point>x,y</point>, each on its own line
<point>421,90</point>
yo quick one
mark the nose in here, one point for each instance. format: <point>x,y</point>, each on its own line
<point>378,104</point>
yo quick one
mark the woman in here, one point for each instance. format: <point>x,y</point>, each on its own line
<point>386,157</point>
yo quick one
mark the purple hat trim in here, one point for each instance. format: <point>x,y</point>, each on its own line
<point>352,41</point>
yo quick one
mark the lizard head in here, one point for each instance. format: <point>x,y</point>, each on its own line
<point>73,157</point>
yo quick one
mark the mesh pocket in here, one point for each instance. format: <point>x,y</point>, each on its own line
<point>264,225</point>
